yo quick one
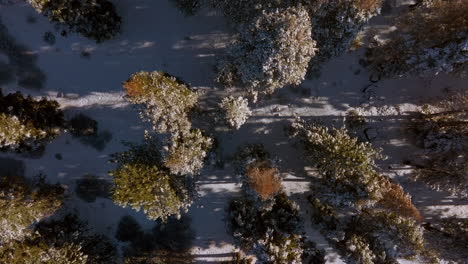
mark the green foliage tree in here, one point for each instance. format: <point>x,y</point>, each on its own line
<point>26,122</point>
<point>63,240</point>
<point>23,203</point>
<point>143,184</point>
<point>33,250</point>
<point>187,152</point>
<point>235,111</point>
<point>94,19</point>
<point>166,100</point>
<point>347,165</point>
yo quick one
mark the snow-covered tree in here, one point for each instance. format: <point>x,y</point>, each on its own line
<point>336,24</point>
<point>441,128</point>
<point>143,184</point>
<point>34,250</point>
<point>271,232</point>
<point>24,203</point>
<point>186,152</point>
<point>166,100</point>
<point>347,165</point>
<point>272,51</point>
<point>235,111</point>
<point>26,122</point>
<point>94,19</point>
<point>240,12</point>
<point>383,237</point>
<point>62,240</point>
<point>429,39</point>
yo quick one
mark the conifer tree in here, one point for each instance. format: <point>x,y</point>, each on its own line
<point>429,39</point>
<point>264,58</point>
<point>23,203</point>
<point>94,19</point>
<point>26,122</point>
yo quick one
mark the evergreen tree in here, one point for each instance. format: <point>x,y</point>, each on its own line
<point>26,122</point>
<point>336,24</point>
<point>94,19</point>
<point>347,165</point>
<point>264,58</point>
<point>429,39</point>
<point>235,111</point>
<point>143,184</point>
<point>23,203</point>
<point>166,100</point>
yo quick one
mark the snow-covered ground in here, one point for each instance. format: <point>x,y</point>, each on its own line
<point>86,77</point>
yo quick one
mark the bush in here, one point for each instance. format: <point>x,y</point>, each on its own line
<point>264,58</point>
<point>346,165</point>
<point>24,203</point>
<point>264,179</point>
<point>166,100</point>
<point>187,152</point>
<point>25,121</point>
<point>396,200</point>
<point>94,19</point>
<point>235,111</point>
<point>141,183</point>
<point>429,39</point>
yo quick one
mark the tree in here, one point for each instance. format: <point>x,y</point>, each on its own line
<point>441,128</point>
<point>266,221</point>
<point>429,39</point>
<point>166,100</point>
<point>336,24</point>
<point>347,165</point>
<point>94,19</point>
<point>23,203</point>
<point>271,231</point>
<point>33,250</point>
<point>264,58</point>
<point>235,111</point>
<point>26,122</point>
<point>187,152</point>
<point>65,240</point>
<point>143,184</point>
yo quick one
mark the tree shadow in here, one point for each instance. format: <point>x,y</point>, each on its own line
<point>21,63</point>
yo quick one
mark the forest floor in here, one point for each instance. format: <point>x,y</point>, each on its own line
<point>85,77</point>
